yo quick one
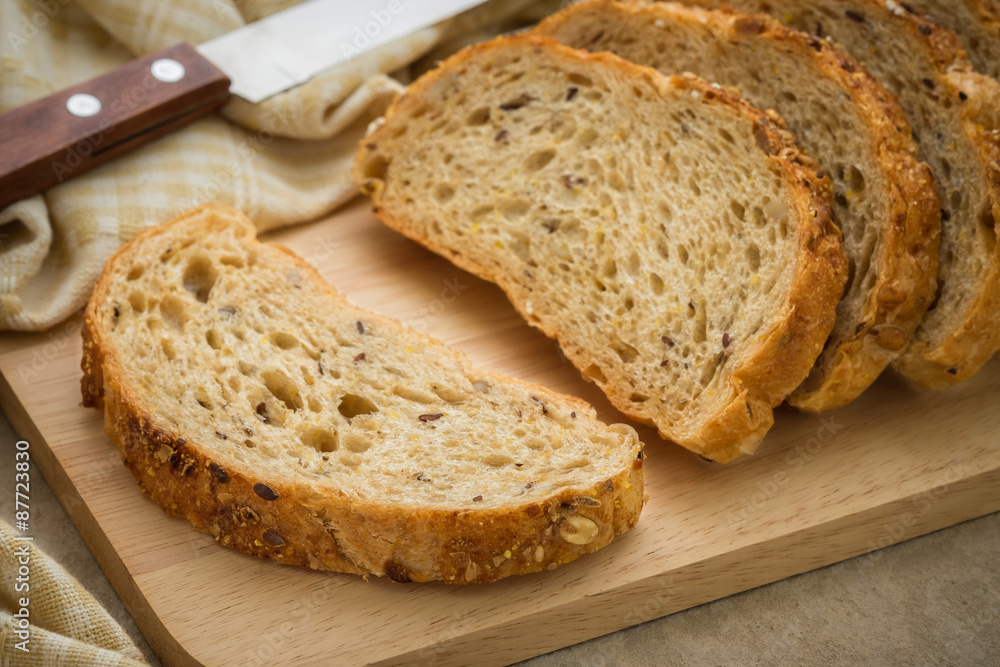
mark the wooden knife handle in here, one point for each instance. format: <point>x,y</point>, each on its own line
<point>67,133</point>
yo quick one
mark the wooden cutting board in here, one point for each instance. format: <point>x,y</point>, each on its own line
<point>897,463</point>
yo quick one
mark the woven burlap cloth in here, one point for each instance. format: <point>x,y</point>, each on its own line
<point>283,161</point>
<point>68,627</point>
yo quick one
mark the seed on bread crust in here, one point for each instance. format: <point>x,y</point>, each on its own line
<point>578,530</point>
<point>264,491</point>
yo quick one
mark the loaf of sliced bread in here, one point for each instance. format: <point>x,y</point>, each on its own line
<point>671,237</point>
<point>248,397</point>
<point>955,114</point>
<point>977,24</point>
<point>885,200</point>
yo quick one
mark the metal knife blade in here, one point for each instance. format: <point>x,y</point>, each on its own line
<point>285,50</point>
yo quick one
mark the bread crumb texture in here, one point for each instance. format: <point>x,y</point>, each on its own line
<point>671,237</point>
<point>249,397</point>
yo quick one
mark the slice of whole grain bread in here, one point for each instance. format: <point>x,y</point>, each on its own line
<point>885,199</point>
<point>670,236</point>
<point>955,115</point>
<point>977,24</point>
<point>248,397</point>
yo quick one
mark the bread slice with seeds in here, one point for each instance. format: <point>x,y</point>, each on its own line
<point>977,24</point>
<point>248,397</point>
<point>885,200</point>
<point>670,236</point>
<point>955,115</point>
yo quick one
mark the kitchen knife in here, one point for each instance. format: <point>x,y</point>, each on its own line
<point>67,133</point>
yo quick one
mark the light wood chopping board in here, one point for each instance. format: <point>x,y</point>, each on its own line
<point>896,464</point>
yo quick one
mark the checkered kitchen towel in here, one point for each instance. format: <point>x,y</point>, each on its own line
<point>282,161</point>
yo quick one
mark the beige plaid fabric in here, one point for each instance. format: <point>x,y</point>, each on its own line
<point>283,161</point>
<point>68,626</point>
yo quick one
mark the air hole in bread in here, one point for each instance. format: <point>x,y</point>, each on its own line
<point>535,442</point>
<point>480,211</point>
<point>480,116</point>
<point>709,370</point>
<point>700,323</point>
<point>988,228</point>
<point>285,341</point>
<point>752,253</point>
<point>232,260</point>
<point>594,373</point>
<point>168,349</point>
<point>413,394</point>
<point>352,405</point>
<point>738,209</point>
<point>283,389</point>
<point>955,199</point>
<point>610,269</point>
<point>538,160</point>
<point>376,167</point>
<point>135,272</point>
<point>616,182</point>
<point>321,439</point>
<point>443,193</point>
<point>173,311</point>
<point>632,262</point>
<point>638,398</point>
<point>513,208</point>
<point>201,396</point>
<point>587,138</point>
<point>857,180</point>
<point>626,352</point>
<point>945,169</point>
<point>682,253</point>
<point>137,300</point>
<point>656,283</point>
<point>520,244</point>
<point>199,277</point>
<point>214,339</point>
<point>448,394</point>
<point>497,460</point>
<point>693,186</point>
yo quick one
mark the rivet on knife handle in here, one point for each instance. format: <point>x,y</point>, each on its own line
<point>61,136</point>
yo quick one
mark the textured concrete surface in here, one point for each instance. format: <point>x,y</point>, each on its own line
<point>934,600</point>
